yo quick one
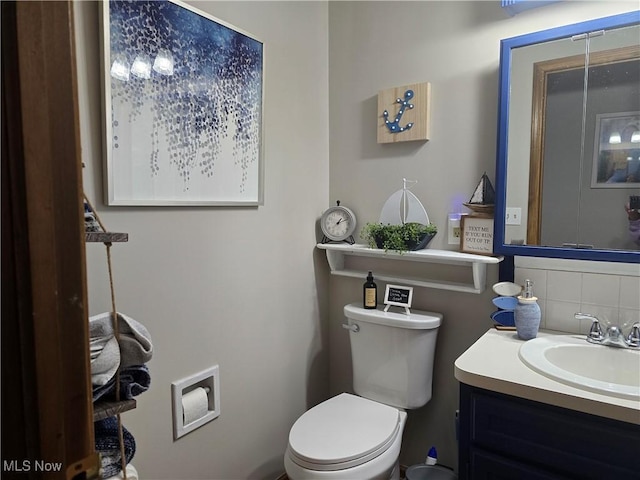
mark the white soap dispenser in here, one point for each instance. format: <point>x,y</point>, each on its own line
<point>527,313</point>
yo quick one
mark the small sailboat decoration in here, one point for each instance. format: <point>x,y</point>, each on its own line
<point>403,207</point>
<point>484,196</point>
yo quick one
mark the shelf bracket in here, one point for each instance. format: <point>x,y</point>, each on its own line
<point>335,259</point>
<point>479,271</point>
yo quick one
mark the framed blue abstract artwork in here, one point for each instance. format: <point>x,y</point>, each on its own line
<point>183,97</point>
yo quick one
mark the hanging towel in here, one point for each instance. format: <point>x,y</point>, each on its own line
<point>107,444</point>
<point>134,380</point>
<point>135,347</point>
<point>105,359</point>
<point>132,474</point>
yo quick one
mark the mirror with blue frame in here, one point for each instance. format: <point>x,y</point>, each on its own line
<point>569,140</point>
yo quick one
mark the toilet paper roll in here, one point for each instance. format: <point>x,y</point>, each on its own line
<point>195,405</point>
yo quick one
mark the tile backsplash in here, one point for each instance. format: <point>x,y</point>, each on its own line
<point>610,291</point>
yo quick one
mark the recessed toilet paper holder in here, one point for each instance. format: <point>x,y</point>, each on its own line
<point>182,394</point>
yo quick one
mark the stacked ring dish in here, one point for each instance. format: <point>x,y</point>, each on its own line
<point>504,317</point>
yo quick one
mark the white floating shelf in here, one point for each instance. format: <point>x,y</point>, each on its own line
<point>336,253</point>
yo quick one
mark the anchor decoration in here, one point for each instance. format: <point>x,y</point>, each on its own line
<point>394,127</point>
<point>413,117</point>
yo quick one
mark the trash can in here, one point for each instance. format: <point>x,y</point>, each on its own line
<point>430,472</point>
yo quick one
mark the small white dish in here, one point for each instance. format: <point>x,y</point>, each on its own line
<point>507,289</point>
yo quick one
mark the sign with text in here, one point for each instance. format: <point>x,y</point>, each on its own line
<point>399,296</point>
<point>477,235</point>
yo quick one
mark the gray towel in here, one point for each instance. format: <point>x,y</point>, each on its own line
<point>135,346</point>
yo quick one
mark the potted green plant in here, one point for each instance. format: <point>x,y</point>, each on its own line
<point>400,238</point>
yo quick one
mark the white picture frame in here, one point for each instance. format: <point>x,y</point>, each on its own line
<point>183,96</point>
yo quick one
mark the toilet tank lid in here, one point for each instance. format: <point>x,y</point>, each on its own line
<point>415,320</point>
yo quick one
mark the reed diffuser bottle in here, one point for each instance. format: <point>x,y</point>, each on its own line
<point>369,293</point>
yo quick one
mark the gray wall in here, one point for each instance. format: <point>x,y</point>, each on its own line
<point>210,283</point>
<point>207,282</point>
<point>455,46</point>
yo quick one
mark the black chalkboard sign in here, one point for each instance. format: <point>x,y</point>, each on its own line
<point>398,295</point>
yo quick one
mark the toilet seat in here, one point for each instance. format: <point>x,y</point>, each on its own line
<point>343,432</point>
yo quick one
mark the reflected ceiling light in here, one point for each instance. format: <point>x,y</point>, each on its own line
<point>635,137</point>
<point>615,138</point>
<point>120,68</point>
<point>163,64</point>
<point>141,67</point>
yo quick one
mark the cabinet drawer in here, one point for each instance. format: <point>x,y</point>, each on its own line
<point>556,439</point>
<point>488,466</point>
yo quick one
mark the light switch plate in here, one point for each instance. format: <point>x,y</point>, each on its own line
<point>513,216</point>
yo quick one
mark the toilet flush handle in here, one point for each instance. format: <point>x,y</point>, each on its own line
<point>354,328</point>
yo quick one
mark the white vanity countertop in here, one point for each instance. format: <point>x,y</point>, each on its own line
<point>492,363</point>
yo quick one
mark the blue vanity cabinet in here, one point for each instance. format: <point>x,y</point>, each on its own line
<point>511,438</point>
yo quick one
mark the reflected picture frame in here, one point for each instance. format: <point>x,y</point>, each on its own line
<point>616,151</point>
<point>183,96</point>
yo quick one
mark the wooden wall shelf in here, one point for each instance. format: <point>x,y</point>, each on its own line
<point>336,253</point>
<point>102,410</point>
<point>106,237</point>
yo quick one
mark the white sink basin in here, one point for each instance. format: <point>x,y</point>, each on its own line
<point>571,360</point>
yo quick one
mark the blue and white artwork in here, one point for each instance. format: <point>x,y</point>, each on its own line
<point>183,105</point>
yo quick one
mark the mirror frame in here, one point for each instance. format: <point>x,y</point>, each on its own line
<point>506,45</point>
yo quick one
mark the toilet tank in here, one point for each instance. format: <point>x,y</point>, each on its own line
<point>392,354</point>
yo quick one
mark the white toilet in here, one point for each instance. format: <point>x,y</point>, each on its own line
<point>359,437</point>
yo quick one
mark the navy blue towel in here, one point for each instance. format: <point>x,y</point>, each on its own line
<point>107,444</point>
<point>134,380</point>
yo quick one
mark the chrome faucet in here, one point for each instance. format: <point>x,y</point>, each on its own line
<point>613,336</point>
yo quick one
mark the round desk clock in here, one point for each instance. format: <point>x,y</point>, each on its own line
<point>338,224</point>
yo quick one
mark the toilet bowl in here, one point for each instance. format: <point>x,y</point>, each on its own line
<point>346,437</point>
<point>359,436</point>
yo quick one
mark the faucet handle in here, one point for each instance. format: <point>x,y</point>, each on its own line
<point>595,332</point>
<point>634,336</point>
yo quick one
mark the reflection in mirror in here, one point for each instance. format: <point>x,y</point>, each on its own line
<point>557,193</point>
<point>566,95</point>
<point>616,157</point>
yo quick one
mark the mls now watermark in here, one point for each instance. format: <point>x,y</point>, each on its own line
<point>30,466</point>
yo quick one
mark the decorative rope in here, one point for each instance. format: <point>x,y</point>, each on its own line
<point>116,331</point>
